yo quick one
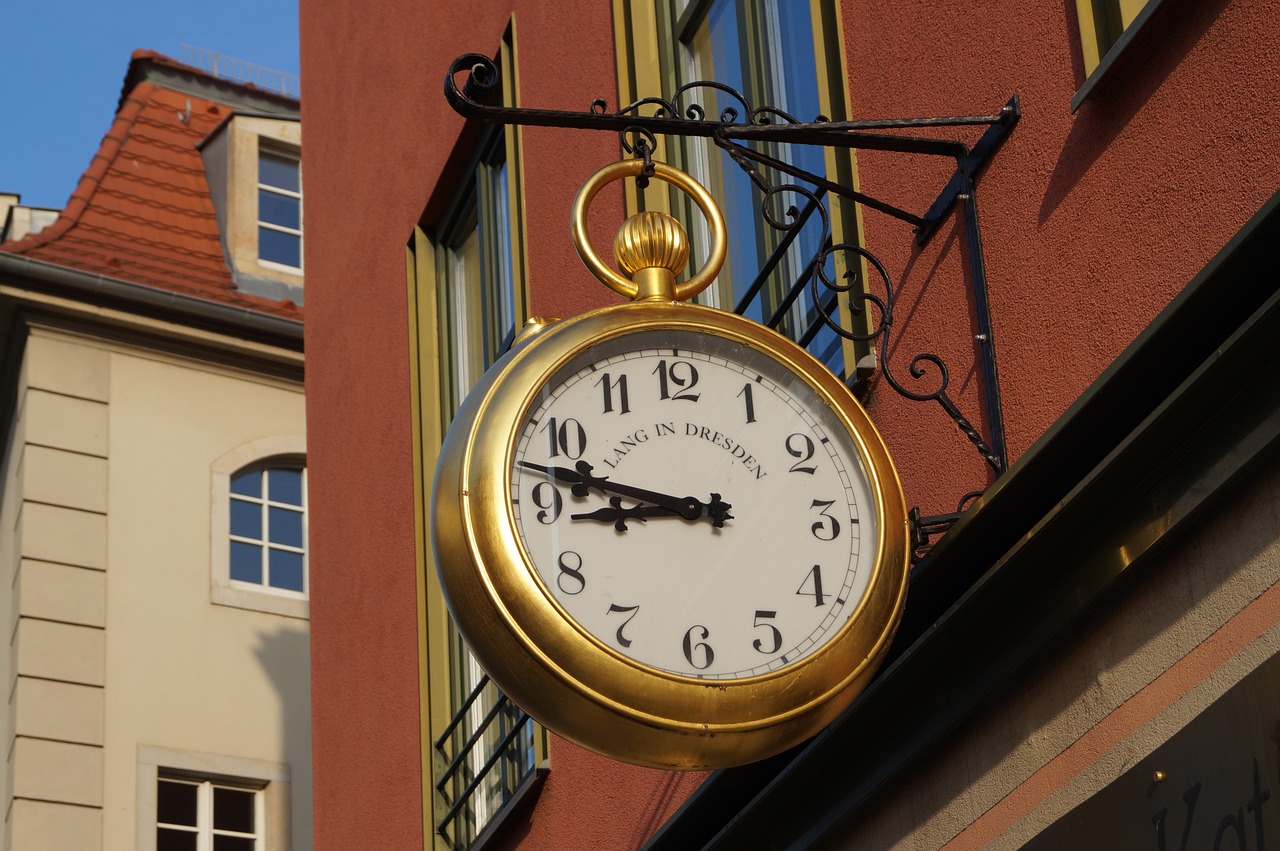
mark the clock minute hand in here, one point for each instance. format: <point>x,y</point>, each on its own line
<point>688,507</point>
<point>580,480</point>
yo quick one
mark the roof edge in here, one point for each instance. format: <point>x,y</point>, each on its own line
<point>240,321</point>
<point>127,112</point>
<point>241,113</point>
<point>165,71</point>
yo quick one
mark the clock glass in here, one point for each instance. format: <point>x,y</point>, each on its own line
<point>694,504</point>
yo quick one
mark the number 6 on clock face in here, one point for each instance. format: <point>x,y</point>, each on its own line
<point>693,504</point>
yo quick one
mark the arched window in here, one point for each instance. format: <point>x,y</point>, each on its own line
<point>259,527</point>
<point>268,527</point>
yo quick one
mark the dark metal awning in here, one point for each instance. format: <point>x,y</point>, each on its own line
<point>1184,414</point>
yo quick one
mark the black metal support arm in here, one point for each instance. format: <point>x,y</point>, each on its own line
<point>735,130</point>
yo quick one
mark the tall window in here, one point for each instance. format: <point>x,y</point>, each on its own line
<point>778,53</point>
<point>467,298</point>
<point>207,815</point>
<point>476,272</point>
<point>1102,22</point>
<point>480,304</point>
<point>279,207</point>
<point>268,528</point>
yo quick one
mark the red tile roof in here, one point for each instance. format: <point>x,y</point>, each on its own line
<point>142,211</point>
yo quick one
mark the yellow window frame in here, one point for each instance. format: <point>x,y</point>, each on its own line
<point>646,39</point>
<point>432,401</point>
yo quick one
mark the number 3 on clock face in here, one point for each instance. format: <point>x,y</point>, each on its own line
<point>693,504</point>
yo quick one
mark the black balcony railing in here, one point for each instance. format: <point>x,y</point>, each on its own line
<point>484,755</point>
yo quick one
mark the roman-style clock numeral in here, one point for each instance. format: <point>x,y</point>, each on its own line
<point>828,528</point>
<point>812,586</point>
<point>705,655</point>
<point>776,636</point>
<point>749,401</point>
<point>614,607</point>
<point>567,437</point>
<point>802,449</point>
<point>608,385</point>
<point>547,497</point>
<point>570,578</point>
<point>682,374</point>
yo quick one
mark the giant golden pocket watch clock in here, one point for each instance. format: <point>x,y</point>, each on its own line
<point>668,533</point>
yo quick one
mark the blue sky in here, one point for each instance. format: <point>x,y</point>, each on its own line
<point>64,61</point>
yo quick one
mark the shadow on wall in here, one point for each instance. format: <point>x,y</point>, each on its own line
<point>1143,68</point>
<point>285,656</point>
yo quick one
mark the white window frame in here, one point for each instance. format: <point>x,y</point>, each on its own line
<point>232,156</point>
<point>264,504</point>
<point>481,285</point>
<point>264,148</point>
<point>676,33</point>
<point>271,780</point>
<point>224,591</point>
<point>713,169</point>
<point>203,828</point>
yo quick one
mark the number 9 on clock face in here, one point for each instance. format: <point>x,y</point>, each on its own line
<point>693,504</point>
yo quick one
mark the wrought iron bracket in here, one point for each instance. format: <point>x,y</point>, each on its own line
<point>924,529</point>
<point>761,125</point>
<point>735,129</point>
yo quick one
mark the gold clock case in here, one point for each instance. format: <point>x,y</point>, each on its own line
<point>568,679</point>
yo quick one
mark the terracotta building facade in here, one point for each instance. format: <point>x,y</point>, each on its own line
<point>1089,639</point>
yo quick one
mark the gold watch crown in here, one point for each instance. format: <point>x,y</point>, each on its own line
<point>651,240</point>
<point>652,248</point>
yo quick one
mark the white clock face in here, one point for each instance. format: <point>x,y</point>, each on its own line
<point>694,505</point>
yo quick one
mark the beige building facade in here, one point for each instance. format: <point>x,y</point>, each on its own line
<point>122,664</point>
<point>153,509</point>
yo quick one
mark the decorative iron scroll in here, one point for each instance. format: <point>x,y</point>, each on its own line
<point>733,130</point>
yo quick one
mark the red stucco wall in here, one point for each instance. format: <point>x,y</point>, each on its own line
<point>1092,222</point>
<point>377,134</point>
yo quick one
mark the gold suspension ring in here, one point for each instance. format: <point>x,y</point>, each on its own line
<point>623,286</point>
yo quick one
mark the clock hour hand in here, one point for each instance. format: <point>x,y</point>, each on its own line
<point>688,507</point>
<point>618,516</point>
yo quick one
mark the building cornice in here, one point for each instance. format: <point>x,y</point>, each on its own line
<point>153,302</point>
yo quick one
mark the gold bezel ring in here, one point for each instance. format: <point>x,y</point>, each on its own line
<point>576,685</point>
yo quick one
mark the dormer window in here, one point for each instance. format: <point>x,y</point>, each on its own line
<point>253,164</point>
<point>279,208</point>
